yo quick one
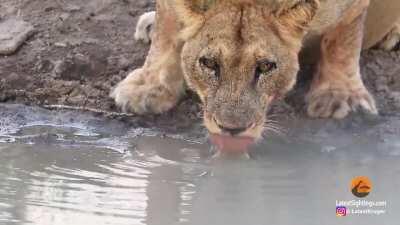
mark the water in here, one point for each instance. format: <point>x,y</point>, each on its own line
<point>61,168</point>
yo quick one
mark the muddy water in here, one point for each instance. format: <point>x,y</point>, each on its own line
<point>68,168</point>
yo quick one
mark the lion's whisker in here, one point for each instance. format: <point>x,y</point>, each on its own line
<point>271,122</point>
<point>274,126</point>
<point>278,132</point>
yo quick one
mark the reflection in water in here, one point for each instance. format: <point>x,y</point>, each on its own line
<point>83,174</point>
<point>65,188</point>
<point>116,198</point>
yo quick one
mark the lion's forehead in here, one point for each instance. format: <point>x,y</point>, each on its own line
<point>242,26</point>
<point>204,5</point>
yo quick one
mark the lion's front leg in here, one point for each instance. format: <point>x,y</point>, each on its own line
<point>159,84</point>
<point>337,88</point>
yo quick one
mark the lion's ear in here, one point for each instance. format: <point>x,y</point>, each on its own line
<point>297,16</point>
<point>191,14</point>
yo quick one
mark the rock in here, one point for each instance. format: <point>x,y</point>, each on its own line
<point>80,67</point>
<point>16,81</point>
<point>60,44</point>
<point>395,95</point>
<point>13,33</point>
<point>71,8</point>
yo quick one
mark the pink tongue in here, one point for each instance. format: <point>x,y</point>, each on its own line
<point>231,144</point>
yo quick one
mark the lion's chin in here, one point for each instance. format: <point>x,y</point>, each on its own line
<point>232,144</point>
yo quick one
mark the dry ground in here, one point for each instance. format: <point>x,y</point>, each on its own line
<point>81,49</point>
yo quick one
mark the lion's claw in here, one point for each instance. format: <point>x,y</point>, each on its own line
<point>141,96</point>
<point>338,103</point>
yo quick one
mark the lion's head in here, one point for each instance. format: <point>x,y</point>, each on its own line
<point>240,55</point>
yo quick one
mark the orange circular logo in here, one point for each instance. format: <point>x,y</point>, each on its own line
<point>361,186</point>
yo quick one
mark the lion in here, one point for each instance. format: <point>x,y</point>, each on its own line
<point>241,55</point>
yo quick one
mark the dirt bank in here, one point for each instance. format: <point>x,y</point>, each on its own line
<point>80,50</point>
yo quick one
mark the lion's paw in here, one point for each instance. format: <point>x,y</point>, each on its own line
<point>339,102</point>
<point>145,26</point>
<point>392,40</point>
<point>141,96</point>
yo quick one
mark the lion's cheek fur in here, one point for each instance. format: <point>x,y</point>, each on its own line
<point>189,62</point>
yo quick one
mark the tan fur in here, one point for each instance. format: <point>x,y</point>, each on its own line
<point>382,17</point>
<point>337,87</point>
<point>144,27</point>
<point>158,85</point>
<point>236,36</point>
<point>392,39</point>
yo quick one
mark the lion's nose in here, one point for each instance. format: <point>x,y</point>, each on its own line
<point>231,130</point>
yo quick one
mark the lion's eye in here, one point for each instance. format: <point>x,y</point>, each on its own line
<point>264,67</point>
<point>211,64</point>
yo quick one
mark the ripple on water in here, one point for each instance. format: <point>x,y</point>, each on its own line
<point>56,172</point>
<point>113,192</point>
<point>7,139</point>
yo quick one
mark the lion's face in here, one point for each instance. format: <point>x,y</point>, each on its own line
<point>238,59</point>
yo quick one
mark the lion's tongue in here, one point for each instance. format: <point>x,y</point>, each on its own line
<point>231,144</point>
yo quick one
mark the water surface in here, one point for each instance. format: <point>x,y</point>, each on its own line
<point>61,168</point>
